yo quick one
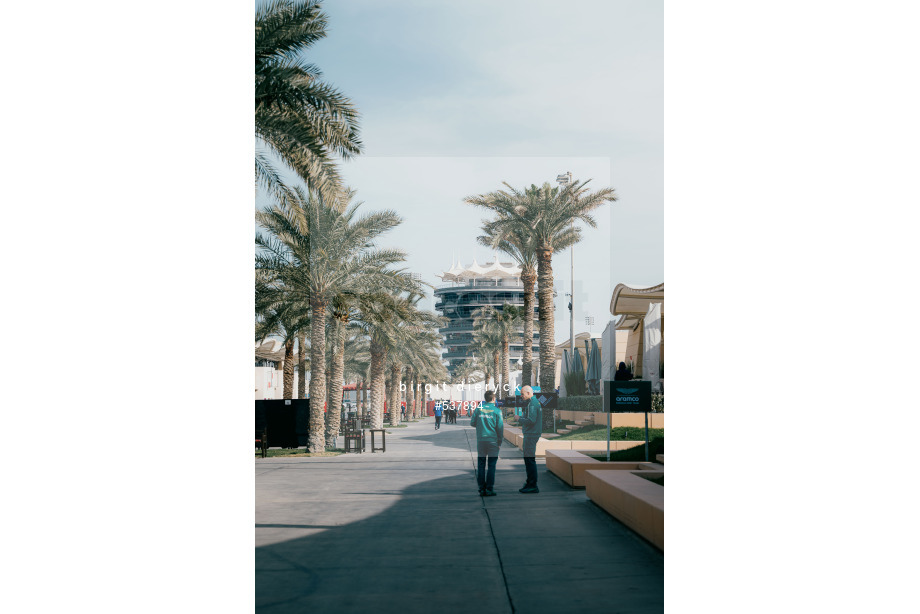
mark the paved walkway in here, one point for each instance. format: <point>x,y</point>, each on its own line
<point>406,532</point>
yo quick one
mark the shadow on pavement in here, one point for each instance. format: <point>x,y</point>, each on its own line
<point>441,548</point>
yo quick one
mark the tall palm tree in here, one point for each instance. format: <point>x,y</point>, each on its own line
<point>464,371</point>
<point>380,316</point>
<point>487,347</point>
<point>430,370</point>
<point>299,120</point>
<point>321,251</point>
<point>550,214</point>
<point>339,333</point>
<point>505,322</point>
<point>515,240</point>
<point>413,336</point>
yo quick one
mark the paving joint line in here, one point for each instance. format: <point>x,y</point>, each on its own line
<point>498,553</point>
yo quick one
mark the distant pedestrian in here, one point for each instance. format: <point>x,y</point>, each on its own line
<point>437,416</point>
<point>489,433</point>
<point>532,423</point>
<point>622,373</point>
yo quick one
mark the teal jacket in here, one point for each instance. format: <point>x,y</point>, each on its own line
<point>489,424</point>
<point>532,418</point>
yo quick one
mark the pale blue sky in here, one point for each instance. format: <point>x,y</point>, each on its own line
<point>457,97</point>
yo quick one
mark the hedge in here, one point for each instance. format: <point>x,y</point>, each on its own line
<point>584,403</point>
<point>596,403</point>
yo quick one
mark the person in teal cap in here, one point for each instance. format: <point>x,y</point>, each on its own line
<point>490,430</point>
<point>532,423</point>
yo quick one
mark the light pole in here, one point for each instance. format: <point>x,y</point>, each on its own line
<point>563,180</point>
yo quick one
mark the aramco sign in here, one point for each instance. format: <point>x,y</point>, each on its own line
<point>627,396</point>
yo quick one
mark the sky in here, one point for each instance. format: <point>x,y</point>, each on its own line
<point>456,98</point>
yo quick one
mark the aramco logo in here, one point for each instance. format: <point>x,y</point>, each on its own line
<point>543,399</point>
<point>624,395</point>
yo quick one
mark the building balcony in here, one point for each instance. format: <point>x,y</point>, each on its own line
<point>475,300</point>
<point>511,284</point>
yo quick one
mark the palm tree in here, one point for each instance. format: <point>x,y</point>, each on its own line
<point>357,360</point>
<point>487,347</point>
<point>411,339</point>
<point>505,322</point>
<point>464,371</point>
<point>380,316</point>
<point>339,332</point>
<point>429,369</point>
<point>298,118</point>
<point>548,214</point>
<point>320,251</point>
<point>410,392</point>
<point>517,243</point>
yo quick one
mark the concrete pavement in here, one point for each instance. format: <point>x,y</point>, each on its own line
<point>405,531</point>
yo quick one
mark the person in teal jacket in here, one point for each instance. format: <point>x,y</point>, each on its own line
<point>532,423</point>
<point>490,430</point>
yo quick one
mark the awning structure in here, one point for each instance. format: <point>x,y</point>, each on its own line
<point>270,350</point>
<point>580,339</point>
<point>631,304</point>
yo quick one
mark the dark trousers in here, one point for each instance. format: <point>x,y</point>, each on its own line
<point>529,448</point>
<point>488,456</point>
<point>530,466</point>
<point>437,422</point>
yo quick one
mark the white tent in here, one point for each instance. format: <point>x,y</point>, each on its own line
<point>608,356</point>
<point>652,344</point>
<point>565,369</point>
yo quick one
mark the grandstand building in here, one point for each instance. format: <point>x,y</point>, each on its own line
<point>464,290</point>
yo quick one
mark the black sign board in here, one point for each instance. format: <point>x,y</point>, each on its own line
<point>627,396</point>
<point>288,421</point>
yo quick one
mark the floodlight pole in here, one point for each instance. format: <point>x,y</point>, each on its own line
<point>563,180</point>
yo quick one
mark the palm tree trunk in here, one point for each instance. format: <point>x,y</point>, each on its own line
<point>529,278</point>
<point>288,390</point>
<point>334,415</point>
<point>302,366</point>
<point>410,395</point>
<point>393,398</point>
<point>547,320</point>
<point>378,377</point>
<point>506,370</point>
<point>317,440</point>
<point>496,360</point>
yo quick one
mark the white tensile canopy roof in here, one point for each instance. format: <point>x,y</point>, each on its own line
<point>631,304</point>
<point>491,270</point>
